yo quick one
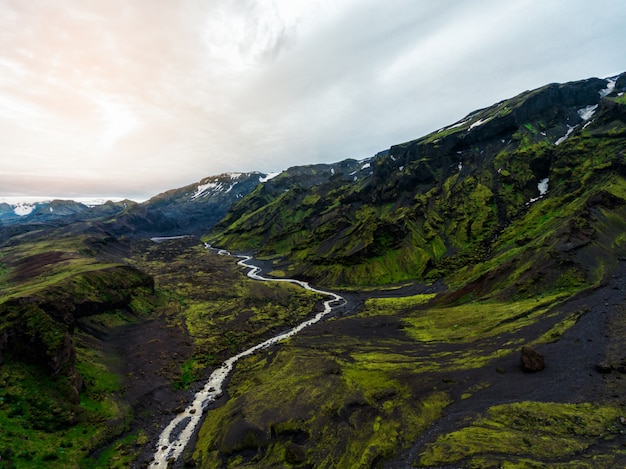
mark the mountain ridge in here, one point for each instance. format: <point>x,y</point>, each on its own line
<point>417,180</point>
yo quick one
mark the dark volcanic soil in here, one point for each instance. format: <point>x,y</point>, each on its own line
<point>148,356</point>
<point>570,375</point>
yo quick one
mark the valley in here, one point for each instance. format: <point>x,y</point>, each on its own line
<point>453,252</point>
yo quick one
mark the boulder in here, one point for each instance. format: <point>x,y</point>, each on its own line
<point>531,360</point>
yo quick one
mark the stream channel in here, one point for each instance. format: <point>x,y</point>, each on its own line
<point>176,435</point>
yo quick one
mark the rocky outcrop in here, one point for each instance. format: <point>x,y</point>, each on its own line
<point>531,361</point>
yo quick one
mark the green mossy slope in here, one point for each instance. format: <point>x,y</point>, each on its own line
<point>435,205</point>
<point>57,395</point>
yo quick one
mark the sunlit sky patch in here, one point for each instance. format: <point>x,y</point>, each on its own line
<point>128,99</point>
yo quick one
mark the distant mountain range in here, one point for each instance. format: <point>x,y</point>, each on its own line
<point>189,210</point>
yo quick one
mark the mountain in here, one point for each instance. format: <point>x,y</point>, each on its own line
<point>459,196</point>
<point>192,209</point>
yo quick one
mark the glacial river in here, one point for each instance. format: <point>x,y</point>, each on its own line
<point>179,431</point>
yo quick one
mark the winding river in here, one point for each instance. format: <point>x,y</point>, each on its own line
<point>179,431</point>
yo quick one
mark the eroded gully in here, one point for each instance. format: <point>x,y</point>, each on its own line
<point>177,434</point>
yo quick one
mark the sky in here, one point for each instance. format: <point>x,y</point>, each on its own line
<point>131,98</point>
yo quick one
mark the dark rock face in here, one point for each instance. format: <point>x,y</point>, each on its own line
<point>295,454</point>
<point>531,360</point>
<point>243,435</point>
<point>191,209</point>
<point>620,84</point>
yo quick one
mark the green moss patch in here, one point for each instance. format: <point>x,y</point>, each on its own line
<point>299,407</point>
<point>526,434</point>
<point>476,320</point>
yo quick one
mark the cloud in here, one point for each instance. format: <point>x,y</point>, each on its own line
<point>143,96</point>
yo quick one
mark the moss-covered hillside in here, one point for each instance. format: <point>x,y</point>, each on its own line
<point>544,169</point>
<point>58,396</point>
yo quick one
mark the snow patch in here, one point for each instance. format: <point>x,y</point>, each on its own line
<point>202,189</point>
<point>365,166</point>
<point>460,166</point>
<point>462,122</point>
<point>542,187</point>
<point>478,123</point>
<point>570,129</point>
<point>587,112</point>
<point>610,86</point>
<point>454,126</point>
<point>332,171</point>
<point>23,208</point>
<point>268,177</point>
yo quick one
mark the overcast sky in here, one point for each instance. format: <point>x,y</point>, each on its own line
<point>131,98</point>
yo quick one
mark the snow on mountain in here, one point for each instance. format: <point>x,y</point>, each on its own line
<point>204,188</point>
<point>478,123</point>
<point>268,177</point>
<point>22,209</point>
<point>610,86</point>
<point>570,129</point>
<point>587,112</point>
<point>542,187</point>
